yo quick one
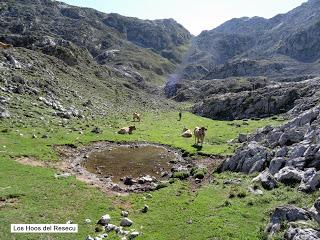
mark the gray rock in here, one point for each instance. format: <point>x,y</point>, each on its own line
<point>284,214</point>
<point>255,191</point>
<point>310,180</point>
<point>145,209</point>
<point>62,175</point>
<point>128,181</point>
<point>104,220</point>
<point>89,238</point>
<point>104,235</point>
<point>276,164</point>
<point>291,136</point>
<point>125,222</point>
<point>273,138</point>
<point>133,235</point>
<point>110,227</point>
<point>266,179</point>
<point>297,151</point>
<point>87,220</point>
<point>96,130</point>
<point>242,138</point>
<point>4,113</point>
<point>249,159</point>
<point>45,135</point>
<point>298,163</point>
<point>124,214</point>
<point>289,175</point>
<point>301,234</point>
<point>236,181</point>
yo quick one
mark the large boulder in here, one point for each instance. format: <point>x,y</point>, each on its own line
<point>310,180</point>
<point>249,159</point>
<point>315,211</point>
<point>301,234</point>
<point>298,163</point>
<point>125,222</point>
<point>291,136</point>
<point>289,175</point>
<point>284,214</point>
<point>104,220</point>
<point>276,164</point>
<point>266,179</point>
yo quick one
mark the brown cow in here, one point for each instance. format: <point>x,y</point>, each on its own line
<point>199,134</point>
<point>127,130</point>
<point>136,116</point>
<point>186,133</point>
<point>5,45</point>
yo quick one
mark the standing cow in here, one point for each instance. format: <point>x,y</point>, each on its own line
<point>5,45</point>
<point>136,116</point>
<point>199,134</point>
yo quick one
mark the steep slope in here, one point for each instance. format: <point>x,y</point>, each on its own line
<point>241,46</point>
<point>68,62</point>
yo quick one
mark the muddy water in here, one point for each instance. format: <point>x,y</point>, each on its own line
<point>121,161</point>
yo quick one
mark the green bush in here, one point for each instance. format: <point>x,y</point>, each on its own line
<point>181,175</point>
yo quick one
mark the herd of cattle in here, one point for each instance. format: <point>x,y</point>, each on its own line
<point>198,133</point>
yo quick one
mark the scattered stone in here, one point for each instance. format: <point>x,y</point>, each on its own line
<point>298,163</point>
<point>126,222</point>
<point>87,220</point>
<point>310,181</point>
<point>89,238</point>
<point>104,235</point>
<point>133,235</point>
<point>149,195</point>
<point>236,181</point>
<point>145,209</point>
<point>284,214</point>
<point>62,175</point>
<point>96,130</point>
<point>266,179</point>
<point>189,221</point>
<point>255,191</point>
<point>104,220</point>
<point>276,164</point>
<point>110,227</point>
<point>128,181</point>
<point>301,234</point>
<point>124,214</point>
<point>242,138</point>
<point>289,175</point>
<point>46,135</point>
<point>4,113</point>
<point>34,136</point>
<point>69,222</point>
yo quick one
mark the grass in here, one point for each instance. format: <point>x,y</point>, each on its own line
<point>40,198</point>
<point>157,127</point>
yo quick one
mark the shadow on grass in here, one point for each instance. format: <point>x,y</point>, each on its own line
<point>199,148</point>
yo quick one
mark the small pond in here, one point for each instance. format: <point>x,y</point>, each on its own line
<point>120,161</point>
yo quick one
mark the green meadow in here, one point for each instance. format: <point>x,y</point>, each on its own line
<point>180,211</point>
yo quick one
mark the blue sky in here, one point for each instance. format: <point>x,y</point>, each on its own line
<point>195,15</point>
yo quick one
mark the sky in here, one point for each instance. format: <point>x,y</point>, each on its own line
<point>195,15</point>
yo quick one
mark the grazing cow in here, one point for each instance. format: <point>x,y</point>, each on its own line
<point>136,116</point>
<point>186,133</point>
<point>127,130</point>
<point>199,134</point>
<point>5,46</point>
